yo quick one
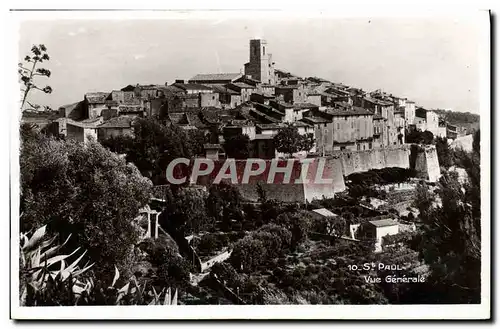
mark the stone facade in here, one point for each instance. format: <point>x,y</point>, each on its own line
<point>427,164</point>
<point>261,66</point>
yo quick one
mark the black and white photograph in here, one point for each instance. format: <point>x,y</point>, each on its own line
<point>241,165</point>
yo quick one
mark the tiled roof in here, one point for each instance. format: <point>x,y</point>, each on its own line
<point>315,120</point>
<point>304,105</point>
<point>384,222</point>
<point>301,123</point>
<point>97,97</point>
<point>263,115</point>
<point>129,108</point>
<point>221,89</point>
<point>377,101</point>
<point>118,122</point>
<point>283,104</point>
<point>263,136</point>
<point>191,86</point>
<point>215,76</point>
<point>324,212</point>
<point>265,126</point>
<point>168,90</point>
<point>352,111</point>
<point>240,123</point>
<point>241,85</point>
<point>263,95</point>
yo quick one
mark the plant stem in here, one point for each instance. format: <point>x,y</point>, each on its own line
<point>28,87</point>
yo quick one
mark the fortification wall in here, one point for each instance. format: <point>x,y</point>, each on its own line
<point>426,163</point>
<point>335,168</point>
<point>359,161</point>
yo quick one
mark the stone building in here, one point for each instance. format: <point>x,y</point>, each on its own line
<point>95,102</point>
<point>260,66</point>
<point>291,94</point>
<point>217,78</point>
<point>244,89</point>
<point>114,127</point>
<point>342,129</point>
<point>426,120</point>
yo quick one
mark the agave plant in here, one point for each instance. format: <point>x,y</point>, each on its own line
<point>133,293</point>
<point>41,266</point>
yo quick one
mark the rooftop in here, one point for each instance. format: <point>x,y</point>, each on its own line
<point>305,105</point>
<point>190,86</point>
<point>315,120</point>
<point>324,212</point>
<point>384,222</point>
<point>348,112</point>
<point>97,97</point>
<point>129,108</point>
<point>218,88</point>
<point>216,76</point>
<point>263,136</point>
<point>118,122</point>
<point>242,85</point>
<point>270,126</point>
<point>377,101</point>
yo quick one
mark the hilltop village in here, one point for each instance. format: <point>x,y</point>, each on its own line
<point>259,243</point>
<point>259,102</point>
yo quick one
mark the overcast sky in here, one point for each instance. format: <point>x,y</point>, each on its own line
<point>431,61</point>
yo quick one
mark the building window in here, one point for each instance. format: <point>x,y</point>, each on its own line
<point>263,50</point>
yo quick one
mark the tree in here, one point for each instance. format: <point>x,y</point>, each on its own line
<point>186,211</point>
<point>154,146</point>
<point>451,239</point>
<point>418,137</point>
<point>476,147</point>
<point>289,141</point>
<point>443,151</point>
<point>298,223</point>
<point>224,204</point>
<point>247,254</point>
<point>88,191</point>
<point>27,75</point>
<point>237,146</point>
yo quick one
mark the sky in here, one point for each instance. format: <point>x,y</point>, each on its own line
<point>432,61</point>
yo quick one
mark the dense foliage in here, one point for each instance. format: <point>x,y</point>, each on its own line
<point>458,118</point>
<point>451,239</point>
<point>154,145</point>
<point>88,191</point>
<point>289,141</point>
<point>414,136</point>
<point>237,146</point>
<point>381,176</point>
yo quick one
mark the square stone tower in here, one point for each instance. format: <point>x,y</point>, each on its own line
<point>261,66</point>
